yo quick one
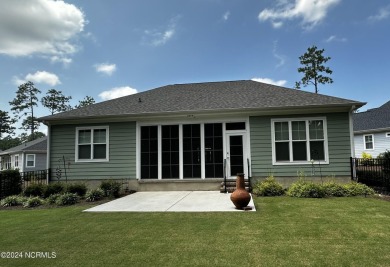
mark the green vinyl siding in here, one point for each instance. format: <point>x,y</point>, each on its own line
<point>122,153</point>
<point>339,148</point>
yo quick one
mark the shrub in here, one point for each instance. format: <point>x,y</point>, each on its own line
<point>9,201</point>
<point>358,189</point>
<point>10,183</point>
<point>67,199</point>
<point>111,188</point>
<point>36,190</point>
<point>53,188</point>
<point>268,187</point>
<point>94,195</point>
<point>53,198</point>
<point>302,188</point>
<point>333,189</point>
<point>33,202</point>
<point>77,188</point>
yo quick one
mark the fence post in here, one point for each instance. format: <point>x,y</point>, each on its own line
<point>351,165</point>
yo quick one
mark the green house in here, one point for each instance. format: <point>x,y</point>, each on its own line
<point>191,136</point>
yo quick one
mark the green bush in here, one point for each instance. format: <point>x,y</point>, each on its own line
<point>333,189</point>
<point>77,188</point>
<point>111,188</point>
<point>53,188</point>
<point>358,189</point>
<point>10,183</point>
<point>268,187</point>
<point>33,202</point>
<point>52,198</point>
<point>67,199</point>
<point>36,190</point>
<point>10,201</point>
<point>302,188</point>
<point>94,195</point>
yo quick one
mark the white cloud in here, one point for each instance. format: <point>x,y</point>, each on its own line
<point>117,92</point>
<point>334,38</point>
<point>38,77</point>
<point>40,27</point>
<point>310,12</point>
<point>157,37</point>
<point>270,81</point>
<point>226,16</point>
<point>105,68</point>
<point>382,14</point>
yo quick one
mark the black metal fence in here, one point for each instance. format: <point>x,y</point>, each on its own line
<point>372,172</point>
<point>35,177</point>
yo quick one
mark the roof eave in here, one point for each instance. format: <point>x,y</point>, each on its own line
<point>248,111</point>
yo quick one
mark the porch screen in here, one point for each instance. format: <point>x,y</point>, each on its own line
<point>213,150</point>
<point>149,152</point>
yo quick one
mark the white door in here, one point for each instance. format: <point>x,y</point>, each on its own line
<point>236,154</point>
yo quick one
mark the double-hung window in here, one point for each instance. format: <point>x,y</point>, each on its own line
<point>299,140</point>
<point>368,142</point>
<point>30,160</point>
<point>16,161</point>
<point>92,144</point>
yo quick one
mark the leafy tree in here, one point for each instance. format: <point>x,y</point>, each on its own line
<point>26,99</point>
<point>28,122</point>
<point>55,101</point>
<point>8,142</point>
<point>27,138</point>
<point>313,66</point>
<point>6,123</point>
<point>88,100</point>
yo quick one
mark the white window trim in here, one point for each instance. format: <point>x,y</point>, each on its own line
<point>388,135</point>
<point>308,162</point>
<point>16,161</point>
<point>28,160</point>
<point>364,142</point>
<point>107,143</point>
<point>202,122</point>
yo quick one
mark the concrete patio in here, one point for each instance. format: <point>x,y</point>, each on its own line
<point>171,201</point>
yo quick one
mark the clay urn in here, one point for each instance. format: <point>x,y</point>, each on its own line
<point>240,197</point>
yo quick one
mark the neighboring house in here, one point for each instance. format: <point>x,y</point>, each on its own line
<point>187,136</point>
<point>372,131</point>
<point>29,156</point>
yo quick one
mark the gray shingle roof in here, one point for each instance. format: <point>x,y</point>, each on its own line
<point>39,144</point>
<point>376,118</point>
<point>210,96</point>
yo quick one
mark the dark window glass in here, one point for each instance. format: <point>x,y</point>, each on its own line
<point>191,151</point>
<point>84,151</point>
<point>317,151</point>
<point>299,151</point>
<point>282,151</point>
<point>235,126</point>
<point>213,150</point>
<point>236,155</point>
<point>170,151</point>
<point>99,151</point>
<point>149,155</point>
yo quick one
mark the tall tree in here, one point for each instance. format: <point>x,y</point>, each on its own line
<point>55,101</point>
<point>313,68</point>
<point>9,142</point>
<point>26,99</point>
<point>27,138</point>
<point>88,100</point>
<point>6,123</point>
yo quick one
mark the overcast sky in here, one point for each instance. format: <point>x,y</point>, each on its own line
<point>107,49</point>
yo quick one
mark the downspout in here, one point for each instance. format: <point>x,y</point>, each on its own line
<point>352,137</point>
<point>48,154</point>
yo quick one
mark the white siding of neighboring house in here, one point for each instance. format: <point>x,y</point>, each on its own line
<point>381,143</point>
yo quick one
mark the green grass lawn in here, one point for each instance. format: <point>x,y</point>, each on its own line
<point>283,232</point>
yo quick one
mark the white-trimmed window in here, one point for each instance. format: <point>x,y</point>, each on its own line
<point>16,161</point>
<point>92,143</point>
<point>7,163</point>
<point>30,160</point>
<point>299,140</point>
<point>387,134</point>
<point>368,141</point>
